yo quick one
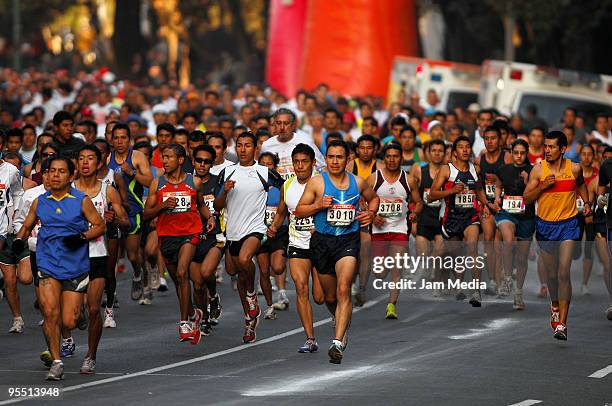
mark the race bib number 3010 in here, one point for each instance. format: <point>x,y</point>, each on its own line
<point>341,215</point>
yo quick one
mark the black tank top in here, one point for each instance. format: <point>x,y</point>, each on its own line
<point>430,216</point>
<point>487,168</point>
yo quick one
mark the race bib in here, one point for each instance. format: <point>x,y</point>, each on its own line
<point>303,224</point>
<point>270,214</point>
<point>183,201</point>
<point>436,203</point>
<point>514,204</point>
<point>465,200</point>
<point>3,199</point>
<point>580,205</point>
<point>285,170</point>
<point>490,190</point>
<point>390,208</point>
<point>209,201</point>
<point>341,215</point>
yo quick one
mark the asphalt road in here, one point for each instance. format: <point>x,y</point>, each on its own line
<point>440,352</point>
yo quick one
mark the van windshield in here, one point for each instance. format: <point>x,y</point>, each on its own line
<point>550,108</point>
<point>460,99</point>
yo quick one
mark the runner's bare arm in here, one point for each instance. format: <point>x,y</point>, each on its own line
<point>415,171</point>
<point>98,226</point>
<point>372,199</point>
<point>151,210</point>
<point>143,169</point>
<point>117,215</point>
<point>534,187</point>
<point>416,196</point>
<point>312,200</point>
<point>436,192</point>
<point>581,189</point>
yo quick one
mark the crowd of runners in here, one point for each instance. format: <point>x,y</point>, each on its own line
<point>195,188</point>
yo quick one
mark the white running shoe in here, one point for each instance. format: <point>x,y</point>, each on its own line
<point>283,301</point>
<point>154,277</point>
<point>109,318</point>
<point>17,326</point>
<point>270,313</point>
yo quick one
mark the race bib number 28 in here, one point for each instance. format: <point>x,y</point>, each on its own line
<point>183,201</point>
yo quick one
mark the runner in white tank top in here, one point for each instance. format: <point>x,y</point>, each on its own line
<point>390,230</point>
<point>298,251</point>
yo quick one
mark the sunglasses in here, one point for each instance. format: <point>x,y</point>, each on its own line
<point>203,161</point>
<point>47,154</point>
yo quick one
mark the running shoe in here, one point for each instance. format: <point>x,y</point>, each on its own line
<point>519,304</point>
<point>309,346</point>
<point>360,298</point>
<point>215,310</point>
<point>196,321</point>
<point>56,372</point>
<point>391,313</point>
<point>88,367</point>
<point>476,299</point>
<point>270,313</point>
<point>83,318</point>
<point>109,318</point>
<point>46,359</point>
<point>253,310</point>
<point>163,285</point>
<point>185,331</point>
<point>609,313</point>
<point>205,328</point>
<point>335,352</point>
<point>136,289</point>
<point>283,301</point>
<point>584,290</point>
<point>543,292</point>
<point>147,297</point>
<point>250,325</point>
<point>460,295</point>
<point>154,278</point>
<point>554,317</point>
<point>68,348</point>
<point>17,326</point>
<point>560,332</point>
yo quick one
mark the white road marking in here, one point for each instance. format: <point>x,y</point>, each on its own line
<point>527,402</point>
<point>490,327</point>
<point>602,372</point>
<point>306,383</point>
<point>241,347</point>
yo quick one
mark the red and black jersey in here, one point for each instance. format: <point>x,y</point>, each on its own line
<point>461,205</point>
<point>184,219</point>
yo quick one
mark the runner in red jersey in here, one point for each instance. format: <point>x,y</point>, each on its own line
<point>176,200</point>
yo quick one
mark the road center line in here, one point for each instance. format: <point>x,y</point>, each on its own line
<point>238,348</point>
<point>527,402</point>
<point>602,372</point>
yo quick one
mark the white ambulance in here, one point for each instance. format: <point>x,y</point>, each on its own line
<point>456,84</point>
<point>511,87</point>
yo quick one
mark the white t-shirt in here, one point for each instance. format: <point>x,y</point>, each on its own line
<point>100,112</point>
<point>605,139</point>
<point>216,169</point>
<point>479,144</point>
<point>11,192</point>
<point>245,204</point>
<point>22,211</point>
<point>284,150</point>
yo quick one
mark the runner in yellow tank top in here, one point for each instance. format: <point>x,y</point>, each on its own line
<point>554,183</point>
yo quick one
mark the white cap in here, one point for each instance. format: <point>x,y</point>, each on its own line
<point>473,108</point>
<point>79,136</point>
<point>432,124</point>
<point>159,109</point>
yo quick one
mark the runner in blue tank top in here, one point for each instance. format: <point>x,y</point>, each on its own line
<point>136,174</point>
<point>62,254</point>
<point>333,200</point>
